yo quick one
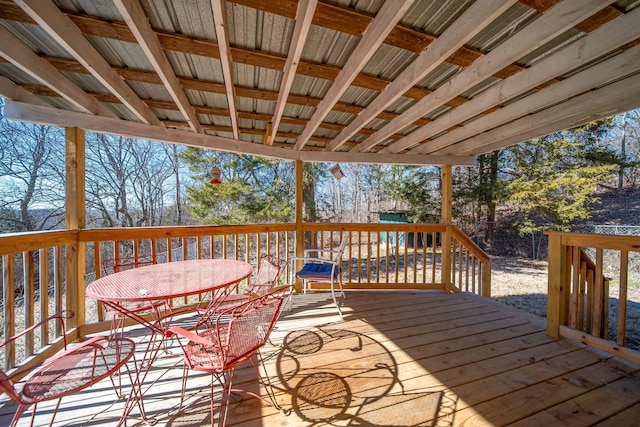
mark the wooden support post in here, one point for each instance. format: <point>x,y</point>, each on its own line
<point>556,295</point>
<point>75,219</point>
<point>299,230</point>
<point>447,194</point>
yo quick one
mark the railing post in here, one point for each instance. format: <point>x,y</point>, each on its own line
<point>447,194</point>
<point>556,295</point>
<point>299,229</point>
<point>486,280</point>
<point>75,219</point>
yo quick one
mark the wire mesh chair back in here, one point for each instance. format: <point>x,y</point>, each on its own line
<point>66,373</point>
<point>234,335</point>
<point>232,338</point>
<point>270,268</point>
<point>113,265</point>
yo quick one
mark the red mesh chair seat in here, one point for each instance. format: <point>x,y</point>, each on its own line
<point>66,373</point>
<point>78,368</point>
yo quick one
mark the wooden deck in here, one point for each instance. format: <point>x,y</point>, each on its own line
<point>398,359</point>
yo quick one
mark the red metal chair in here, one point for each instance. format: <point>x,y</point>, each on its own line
<point>118,316</point>
<point>70,371</point>
<point>270,269</point>
<point>235,337</point>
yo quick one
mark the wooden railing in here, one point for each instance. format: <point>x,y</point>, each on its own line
<point>33,277</point>
<point>49,271</point>
<point>471,266</point>
<point>582,271</point>
<point>404,256</point>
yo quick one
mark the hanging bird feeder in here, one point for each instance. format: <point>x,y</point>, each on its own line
<point>215,174</point>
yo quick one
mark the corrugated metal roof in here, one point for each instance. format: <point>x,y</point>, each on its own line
<point>260,35</point>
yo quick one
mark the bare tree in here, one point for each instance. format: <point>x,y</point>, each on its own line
<point>31,176</point>
<point>626,136</point>
<point>128,181</point>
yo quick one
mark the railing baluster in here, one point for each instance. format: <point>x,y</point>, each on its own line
<point>622,298</point>
<point>28,284</point>
<point>43,281</point>
<point>9,312</point>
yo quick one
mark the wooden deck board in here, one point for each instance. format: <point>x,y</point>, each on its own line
<point>399,359</point>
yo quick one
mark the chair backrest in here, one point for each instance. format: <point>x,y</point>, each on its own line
<point>7,382</point>
<point>269,271</point>
<point>127,263</point>
<point>337,255</point>
<point>244,329</point>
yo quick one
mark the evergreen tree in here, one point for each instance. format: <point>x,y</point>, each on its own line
<point>417,190</point>
<point>555,178</point>
<point>253,189</point>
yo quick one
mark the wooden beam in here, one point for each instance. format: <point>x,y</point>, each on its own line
<point>603,40</point>
<point>378,158</point>
<point>10,90</point>
<point>138,23</point>
<point>470,23</point>
<point>72,66</point>
<point>62,30</point>
<point>601,74</point>
<point>220,24</point>
<point>556,21</point>
<point>24,58</point>
<point>372,39</point>
<point>200,109</point>
<point>51,116</point>
<point>304,15</point>
<point>604,102</point>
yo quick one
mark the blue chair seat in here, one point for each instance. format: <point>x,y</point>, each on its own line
<point>316,271</point>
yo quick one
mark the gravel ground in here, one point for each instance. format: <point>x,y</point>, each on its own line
<point>522,283</point>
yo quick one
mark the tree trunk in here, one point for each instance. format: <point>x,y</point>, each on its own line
<point>309,194</point>
<point>491,199</point>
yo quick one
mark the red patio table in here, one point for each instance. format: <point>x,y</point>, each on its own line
<point>163,282</point>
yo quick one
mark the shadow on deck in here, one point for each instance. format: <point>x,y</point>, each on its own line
<point>398,359</point>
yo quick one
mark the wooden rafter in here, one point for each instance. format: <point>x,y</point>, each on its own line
<point>555,21</point>
<point>608,38</point>
<point>135,18</point>
<point>472,21</point>
<point>10,90</point>
<point>304,15</point>
<point>613,99</point>
<point>25,59</point>
<point>601,74</point>
<point>219,20</point>
<point>373,37</point>
<point>61,29</point>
